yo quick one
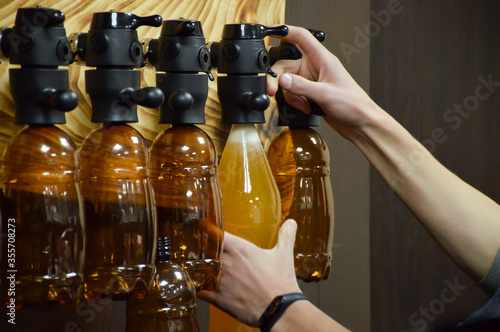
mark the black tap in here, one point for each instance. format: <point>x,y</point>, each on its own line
<point>288,115</point>
<point>39,89</point>
<point>242,56</point>
<point>181,53</point>
<point>113,47</point>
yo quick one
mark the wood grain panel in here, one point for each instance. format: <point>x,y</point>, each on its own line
<point>426,60</point>
<point>213,14</point>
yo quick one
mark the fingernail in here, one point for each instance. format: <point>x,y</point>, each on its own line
<point>292,225</point>
<point>286,81</point>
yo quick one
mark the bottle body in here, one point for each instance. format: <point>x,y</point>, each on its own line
<point>188,201</point>
<point>300,162</point>
<point>42,210</point>
<point>171,306</point>
<point>120,212</point>
<point>251,201</point>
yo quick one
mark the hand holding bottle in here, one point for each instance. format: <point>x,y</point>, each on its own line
<point>252,277</point>
<point>320,76</point>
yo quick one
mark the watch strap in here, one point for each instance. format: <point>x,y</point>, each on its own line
<point>276,309</point>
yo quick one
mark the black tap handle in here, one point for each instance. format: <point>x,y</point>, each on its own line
<point>257,102</point>
<point>181,100</point>
<point>119,20</point>
<point>152,21</point>
<point>281,31</point>
<point>319,35</point>
<point>55,17</point>
<point>63,100</point>
<point>150,97</point>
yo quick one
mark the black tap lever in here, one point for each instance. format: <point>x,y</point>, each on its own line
<point>40,89</point>
<point>289,116</point>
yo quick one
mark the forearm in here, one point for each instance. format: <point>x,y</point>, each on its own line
<point>303,316</point>
<point>464,222</point>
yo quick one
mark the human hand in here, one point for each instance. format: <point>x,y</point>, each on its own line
<point>252,277</point>
<point>319,76</point>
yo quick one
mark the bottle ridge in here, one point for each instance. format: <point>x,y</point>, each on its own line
<point>171,305</point>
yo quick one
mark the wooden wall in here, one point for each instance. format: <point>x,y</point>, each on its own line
<point>427,59</point>
<point>213,14</point>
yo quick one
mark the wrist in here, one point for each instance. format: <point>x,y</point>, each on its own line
<point>293,316</point>
<point>277,308</point>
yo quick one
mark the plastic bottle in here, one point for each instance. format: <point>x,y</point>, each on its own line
<point>171,306</point>
<point>115,163</point>
<point>252,206</point>
<point>184,159</point>
<point>300,162</point>
<point>42,206</point>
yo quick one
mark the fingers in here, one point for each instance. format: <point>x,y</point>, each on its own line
<point>298,102</point>
<point>281,67</point>
<point>286,236</point>
<point>305,41</point>
<point>209,296</point>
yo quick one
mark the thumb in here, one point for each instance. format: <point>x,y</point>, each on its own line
<point>286,236</point>
<point>301,86</point>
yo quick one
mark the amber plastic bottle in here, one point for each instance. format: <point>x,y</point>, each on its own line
<point>251,201</point>
<point>171,306</point>
<point>252,207</point>
<point>300,162</point>
<point>42,206</point>
<point>120,211</point>
<point>43,200</point>
<point>188,201</point>
<point>115,162</point>
<point>184,159</point>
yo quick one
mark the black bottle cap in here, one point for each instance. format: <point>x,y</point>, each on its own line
<point>39,89</point>
<point>38,38</point>
<point>182,54</point>
<point>39,16</point>
<point>112,40</point>
<point>242,55</point>
<point>181,48</point>
<point>252,31</point>
<point>113,47</point>
<point>163,249</point>
<point>182,27</point>
<point>288,115</point>
<point>242,50</point>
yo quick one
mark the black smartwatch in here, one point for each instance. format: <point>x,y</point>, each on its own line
<point>276,309</point>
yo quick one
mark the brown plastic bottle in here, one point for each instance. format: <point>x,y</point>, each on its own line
<point>115,161</point>
<point>188,201</point>
<point>43,211</point>
<point>184,159</point>
<point>300,162</point>
<point>120,212</point>
<point>42,207</point>
<point>171,306</point>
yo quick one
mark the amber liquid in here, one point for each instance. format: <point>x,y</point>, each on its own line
<point>43,211</point>
<point>300,162</point>
<point>188,201</point>
<point>120,213</point>
<point>252,206</point>
<point>171,306</point>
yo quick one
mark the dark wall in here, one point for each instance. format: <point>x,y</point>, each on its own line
<point>346,294</point>
<point>429,57</point>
